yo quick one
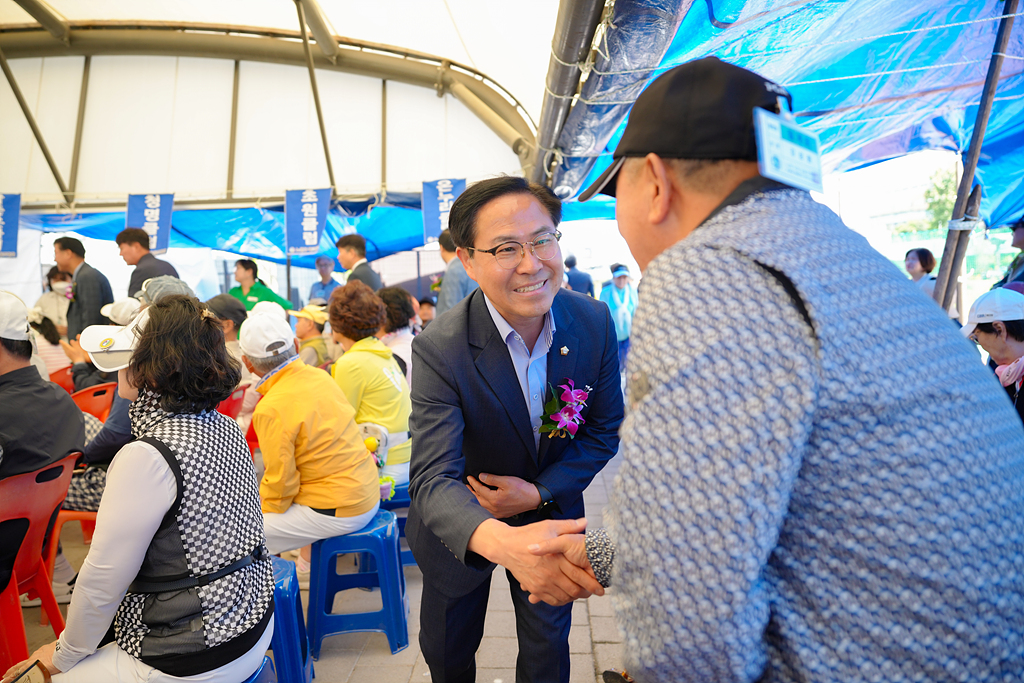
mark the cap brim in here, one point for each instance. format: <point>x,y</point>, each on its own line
<point>605,184</point>
<point>109,346</point>
<point>105,310</point>
<point>968,329</point>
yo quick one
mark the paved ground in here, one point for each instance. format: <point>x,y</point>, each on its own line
<point>594,641</point>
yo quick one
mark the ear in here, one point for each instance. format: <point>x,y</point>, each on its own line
<point>467,261</point>
<point>659,182</point>
<point>1000,329</point>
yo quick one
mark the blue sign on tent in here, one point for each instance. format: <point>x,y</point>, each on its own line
<point>10,210</point>
<point>152,213</point>
<point>305,215</point>
<point>438,197</point>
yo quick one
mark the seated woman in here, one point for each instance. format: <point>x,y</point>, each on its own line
<point>55,300</point>
<point>231,314</point>
<point>47,341</point>
<point>177,575</point>
<point>367,372</point>
<point>397,331</point>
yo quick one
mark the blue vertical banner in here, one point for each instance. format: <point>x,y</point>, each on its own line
<point>305,215</point>
<point>152,213</point>
<point>438,197</point>
<point>10,211</point>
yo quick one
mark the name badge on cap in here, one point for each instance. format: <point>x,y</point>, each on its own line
<point>787,152</point>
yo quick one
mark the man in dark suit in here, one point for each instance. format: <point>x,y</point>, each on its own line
<point>90,288</point>
<point>481,466</point>
<point>134,246</point>
<point>352,257</point>
<point>578,280</point>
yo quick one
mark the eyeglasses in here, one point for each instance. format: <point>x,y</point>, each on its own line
<point>510,254</point>
<point>974,337</point>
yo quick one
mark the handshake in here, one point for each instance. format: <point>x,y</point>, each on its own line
<point>549,559</point>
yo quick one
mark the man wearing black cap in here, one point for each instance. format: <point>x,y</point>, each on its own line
<point>819,481</point>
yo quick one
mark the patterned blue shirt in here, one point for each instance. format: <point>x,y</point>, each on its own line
<point>820,481</point>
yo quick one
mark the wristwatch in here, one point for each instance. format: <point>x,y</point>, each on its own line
<point>546,499</point>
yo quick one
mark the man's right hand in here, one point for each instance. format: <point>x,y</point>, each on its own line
<point>550,578</point>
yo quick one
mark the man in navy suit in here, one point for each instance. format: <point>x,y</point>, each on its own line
<point>90,288</point>
<point>481,468</point>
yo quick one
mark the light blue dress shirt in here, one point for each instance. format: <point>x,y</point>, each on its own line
<point>531,367</point>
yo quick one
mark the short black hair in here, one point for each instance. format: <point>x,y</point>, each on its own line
<point>22,348</point>
<point>1014,328</point>
<point>399,308</point>
<point>46,328</point>
<point>925,257</point>
<point>133,236</point>
<point>570,261</point>
<point>181,356</point>
<point>462,217</point>
<point>71,244</point>
<point>445,240</point>
<point>353,241</point>
<point>249,265</point>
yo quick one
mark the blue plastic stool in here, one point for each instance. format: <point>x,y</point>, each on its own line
<point>398,501</point>
<point>264,674</point>
<point>377,541</point>
<point>290,645</point>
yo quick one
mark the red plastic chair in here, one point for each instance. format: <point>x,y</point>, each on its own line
<point>232,405</point>
<point>96,400</point>
<point>64,379</point>
<point>252,441</point>
<point>33,496</point>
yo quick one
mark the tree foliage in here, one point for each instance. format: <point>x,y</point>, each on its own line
<point>940,198</point>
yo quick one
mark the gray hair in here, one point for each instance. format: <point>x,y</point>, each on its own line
<point>263,366</point>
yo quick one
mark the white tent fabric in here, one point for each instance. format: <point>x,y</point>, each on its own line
<point>162,124</point>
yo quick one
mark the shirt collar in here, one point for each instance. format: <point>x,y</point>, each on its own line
<point>74,275</point>
<point>25,375</point>
<point>504,329</point>
<point>744,190</point>
<point>357,264</point>
<point>273,372</point>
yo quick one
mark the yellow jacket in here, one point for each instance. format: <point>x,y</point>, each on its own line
<point>376,387</point>
<point>312,449</point>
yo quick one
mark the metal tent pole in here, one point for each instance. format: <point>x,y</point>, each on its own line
<point>957,240</point>
<point>316,94</point>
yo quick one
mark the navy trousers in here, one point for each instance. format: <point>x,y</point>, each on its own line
<point>451,629</point>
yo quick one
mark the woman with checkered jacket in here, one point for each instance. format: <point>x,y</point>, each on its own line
<point>178,577</point>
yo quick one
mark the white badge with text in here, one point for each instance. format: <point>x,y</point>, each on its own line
<point>787,152</point>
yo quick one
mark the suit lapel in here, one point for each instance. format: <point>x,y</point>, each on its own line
<point>495,365</point>
<point>560,366</point>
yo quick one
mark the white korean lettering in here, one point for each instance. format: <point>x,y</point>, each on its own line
<point>309,209</point>
<point>309,196</point>
<point>152,201</point>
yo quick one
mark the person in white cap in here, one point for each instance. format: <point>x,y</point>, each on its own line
<point>178,569</point>
<point>319,479</point>
<point>996,324</point>
<point>39,423</point>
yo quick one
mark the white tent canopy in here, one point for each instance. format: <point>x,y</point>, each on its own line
<point>163,123</point>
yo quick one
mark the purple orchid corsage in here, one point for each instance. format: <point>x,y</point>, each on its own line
<point>562,414</point>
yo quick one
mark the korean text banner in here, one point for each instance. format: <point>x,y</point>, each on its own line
<point>305,215</point>
<point>438,197</point>
<point>152,213</point>
<point>10,210</point>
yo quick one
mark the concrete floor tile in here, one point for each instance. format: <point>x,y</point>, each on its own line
<point>378,652</point>
<point>604,630</point>
<point>497,653</point>
<point>581,668</point>
<point>580,613</point>
<point>345,641</point>
<point>380,674</point>
<point>608,656</point>
<point>334,666</point>
<point>495,675</point>
<point>500,624</point>
<point>579,640</point>
<point>600,606</point>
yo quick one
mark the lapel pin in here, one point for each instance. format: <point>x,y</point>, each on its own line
<point>564,350</point>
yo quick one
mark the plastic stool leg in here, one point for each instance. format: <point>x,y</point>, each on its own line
<point>13,644</point>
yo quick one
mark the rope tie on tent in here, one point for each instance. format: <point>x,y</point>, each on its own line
<point>829,43</point>
<point>966,223</point>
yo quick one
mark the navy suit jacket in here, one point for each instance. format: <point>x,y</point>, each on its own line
<point>469,416</point>
<point>367,275</point>
<point>580,281</point>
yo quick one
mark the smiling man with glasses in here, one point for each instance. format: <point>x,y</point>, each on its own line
<point>481,466</point>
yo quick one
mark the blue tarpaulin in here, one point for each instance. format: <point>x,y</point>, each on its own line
<point>876,79</point>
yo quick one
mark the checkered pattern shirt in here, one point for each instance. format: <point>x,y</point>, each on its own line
<point>820,481</point>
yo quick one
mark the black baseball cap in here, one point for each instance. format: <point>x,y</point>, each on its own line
<point>703,109</point>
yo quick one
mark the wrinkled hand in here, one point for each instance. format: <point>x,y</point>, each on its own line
<point>549,578</point>
<point>74,351</point>
<point>45,657</point>
<point>573,547</point>
<point>504,496</point>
